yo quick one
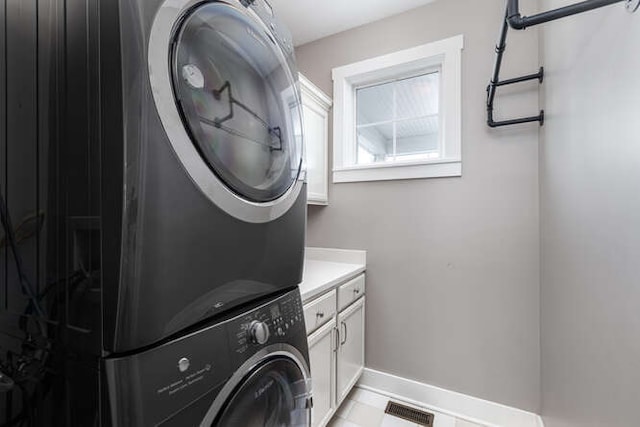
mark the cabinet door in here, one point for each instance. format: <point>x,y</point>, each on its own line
<point>315,110</point>
<point>322,359</point>
<point>350,363</point>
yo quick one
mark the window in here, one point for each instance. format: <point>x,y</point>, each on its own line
<point>397,116</point>
<point>399,120</point>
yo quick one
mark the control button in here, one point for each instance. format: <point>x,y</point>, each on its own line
<point>259,332</point>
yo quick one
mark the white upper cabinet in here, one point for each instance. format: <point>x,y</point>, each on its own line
<point>315,106</point>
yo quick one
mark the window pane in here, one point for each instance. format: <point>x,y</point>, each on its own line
<point>418,96</point>
<point>418,136</point>
<point>375,144</point>
<point>374,104</point>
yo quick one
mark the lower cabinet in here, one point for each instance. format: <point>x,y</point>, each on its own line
<point>336,349</point>
<point>323,361</point>
<point>351,349</point>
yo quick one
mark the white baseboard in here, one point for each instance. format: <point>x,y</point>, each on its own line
<point>448,402</point>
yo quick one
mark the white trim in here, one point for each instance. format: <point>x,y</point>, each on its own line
<point>446,55</point>
<point>313,91</point>
<point>398,171</point>
<point>459,405</point>
<point>406,56</point>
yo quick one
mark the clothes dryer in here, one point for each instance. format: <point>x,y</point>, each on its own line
<point>213,196</point>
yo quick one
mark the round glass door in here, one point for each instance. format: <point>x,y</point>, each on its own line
<point>238,100</point>
<point>273,395</point>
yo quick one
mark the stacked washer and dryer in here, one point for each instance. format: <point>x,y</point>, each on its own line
<point>175,215</point>
<point>210,92</point>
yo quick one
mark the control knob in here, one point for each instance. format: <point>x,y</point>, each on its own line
<point>259,332</point>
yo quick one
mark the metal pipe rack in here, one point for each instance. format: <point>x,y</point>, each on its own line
<point>516,21</point>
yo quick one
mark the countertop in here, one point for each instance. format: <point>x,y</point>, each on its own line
<point>325,269</point>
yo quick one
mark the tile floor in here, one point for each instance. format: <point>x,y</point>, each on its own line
<point>363,408</point>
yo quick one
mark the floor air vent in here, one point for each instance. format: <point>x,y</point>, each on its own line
<point>409,414</point>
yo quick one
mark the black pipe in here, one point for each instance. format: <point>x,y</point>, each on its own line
<point>514,20</point>
<point>518,22</point>
<point>536,76</point>
<point>495,82</point>
<point>493,124</point>
<point>500,47</point>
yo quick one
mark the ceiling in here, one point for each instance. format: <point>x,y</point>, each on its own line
<point>311,20</point>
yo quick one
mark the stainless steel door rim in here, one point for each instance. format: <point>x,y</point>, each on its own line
<point>160,41</point>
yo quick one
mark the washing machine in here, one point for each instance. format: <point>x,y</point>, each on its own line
<point>250,370</point>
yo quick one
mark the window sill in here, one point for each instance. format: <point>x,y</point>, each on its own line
<point>387,172</point>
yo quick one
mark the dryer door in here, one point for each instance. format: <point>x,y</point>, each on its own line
<point>237,105</point>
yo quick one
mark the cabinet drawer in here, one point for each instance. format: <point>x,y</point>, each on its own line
<point>320,311</point>
<point>350,292</point>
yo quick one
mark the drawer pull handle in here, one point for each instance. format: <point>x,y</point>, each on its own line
<point>320,314</point>
<point>356,291</point>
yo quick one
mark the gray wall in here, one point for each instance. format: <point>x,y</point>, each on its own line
<point>590,197</point>
<point>453,274</point>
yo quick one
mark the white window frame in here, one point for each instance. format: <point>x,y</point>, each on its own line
<point>445,55</point>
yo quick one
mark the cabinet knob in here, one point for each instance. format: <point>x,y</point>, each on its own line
<point>320,314</point>
<point>356,291</point>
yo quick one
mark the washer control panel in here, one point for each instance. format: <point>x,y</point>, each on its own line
<point>268,324</point>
